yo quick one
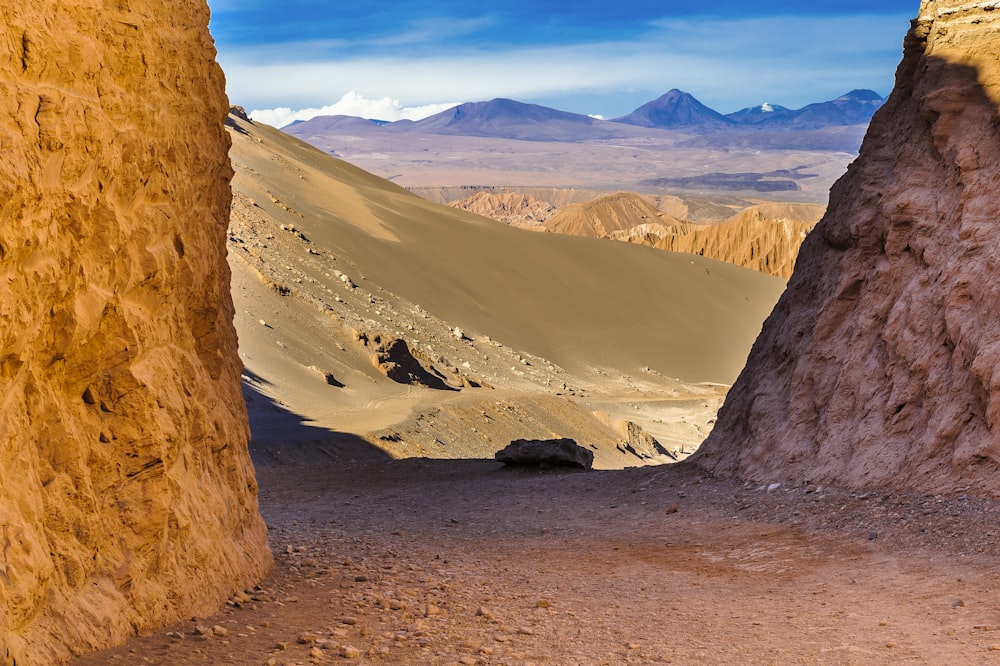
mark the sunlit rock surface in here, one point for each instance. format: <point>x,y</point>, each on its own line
<point>881,363</point>
<point>127,498</point>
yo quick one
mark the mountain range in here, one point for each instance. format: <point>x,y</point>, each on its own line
<point>675,110</point>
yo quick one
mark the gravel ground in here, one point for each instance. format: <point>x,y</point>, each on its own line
<point>468,562</point>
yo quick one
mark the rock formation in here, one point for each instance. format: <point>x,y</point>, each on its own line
<point>127,498</point>
<point>765,237</point>
<point>880,364</point>
<point>607,214</point>
<point>515,209</point>
<point>561,451</point>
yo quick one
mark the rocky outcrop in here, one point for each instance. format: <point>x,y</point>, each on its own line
<point>880,364</point>
<point>608,214</point>
<point>765,237</point>
<point>127,498</point>
<point>563,451</point>
<point>513,208</point>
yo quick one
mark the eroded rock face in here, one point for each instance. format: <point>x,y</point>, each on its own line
<point>881,363</point>
<point>127,497</point>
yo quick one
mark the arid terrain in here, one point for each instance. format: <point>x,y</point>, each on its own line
<point>253,393</point>
<point>341,279</point>
<point>464,562</point>
<point>398,541</point>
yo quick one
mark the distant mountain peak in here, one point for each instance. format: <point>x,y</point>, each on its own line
<point>675,108</point>
<point>861,95</point>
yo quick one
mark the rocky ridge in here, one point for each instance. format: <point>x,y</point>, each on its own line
<point>513,208</point>
<point>764,237</point>
<point>127,497</point>
<point>878,366</point>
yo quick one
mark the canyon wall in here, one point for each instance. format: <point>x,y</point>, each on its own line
<point>127,497</point>
<point>880,365</point>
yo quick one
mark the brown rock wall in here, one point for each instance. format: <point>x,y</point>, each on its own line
<point>127,497</point>
<point>879,365</point>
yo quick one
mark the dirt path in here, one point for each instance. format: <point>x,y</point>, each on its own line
<point>465,562</point>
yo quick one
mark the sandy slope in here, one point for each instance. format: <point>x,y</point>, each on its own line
<point>603,332</point>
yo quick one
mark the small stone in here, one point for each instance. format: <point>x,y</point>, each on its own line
<point>202,630</point>
<point>307,638</point>
<point>316,653</point>
<point>220,631</point>
<point>468,661</point>
<point>397,604</point>
<point>432,610</point>
<point>542,603</point>
<point>774,486</point>
<point>958,603</point>
<point>349,652</point>
<point>351,621</point>
<point>526,631</point>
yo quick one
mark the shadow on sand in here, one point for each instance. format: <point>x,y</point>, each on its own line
<point>280,437</point>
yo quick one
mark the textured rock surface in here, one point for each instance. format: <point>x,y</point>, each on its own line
<point>126,493</point>
<point>881,363</point>
<point>765,237</point>
<point>563,451</point>
<point>605,215</point>
<point>513,208</point>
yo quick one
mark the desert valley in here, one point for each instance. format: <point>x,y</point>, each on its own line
<point>256,378</point>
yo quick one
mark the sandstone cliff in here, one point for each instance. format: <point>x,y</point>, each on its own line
<point>607,214</point>
<point>765,237</point>
<point>513,208</point>
<point>880,365</point>
<point>127,498</point>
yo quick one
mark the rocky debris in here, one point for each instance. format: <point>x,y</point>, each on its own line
<point>878,366</point>
<point>562,451</point>
<point>492,573</point>
<point>128,497</point>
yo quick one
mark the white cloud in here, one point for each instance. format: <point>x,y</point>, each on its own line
<point>351,104</point>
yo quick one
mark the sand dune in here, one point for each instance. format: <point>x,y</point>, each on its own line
<point>479,304</point>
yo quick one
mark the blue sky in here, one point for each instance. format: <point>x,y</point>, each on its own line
<point>413,57</point>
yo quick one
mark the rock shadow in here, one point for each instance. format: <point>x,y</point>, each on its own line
<point>280,437</point>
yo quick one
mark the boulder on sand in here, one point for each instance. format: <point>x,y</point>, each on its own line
<point>562,451</point>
